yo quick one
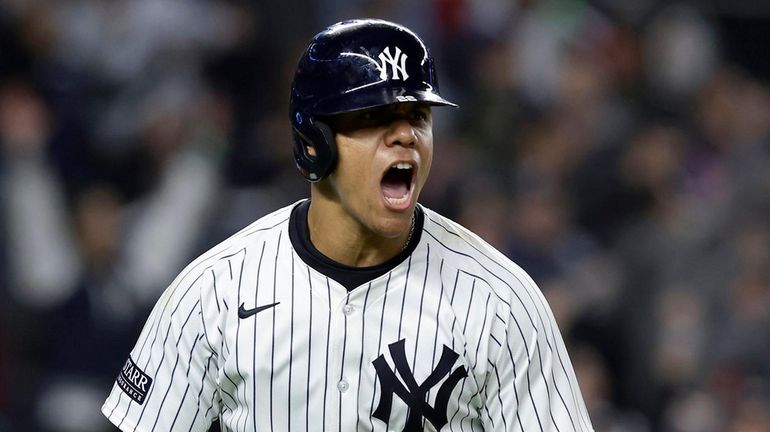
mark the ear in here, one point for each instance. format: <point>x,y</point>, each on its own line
<point>310,149</point>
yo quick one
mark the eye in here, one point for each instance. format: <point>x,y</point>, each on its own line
<point>420,114</point>
<point>368,117</point>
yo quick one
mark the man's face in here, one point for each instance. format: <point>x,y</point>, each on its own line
<point>384,157</point>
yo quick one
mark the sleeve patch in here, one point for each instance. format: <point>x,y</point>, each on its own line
<point>134,382</point>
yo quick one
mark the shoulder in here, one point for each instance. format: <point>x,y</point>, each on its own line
<point>273,225</point>
<point>268,226</point>
<point>516,292</point>
<point>460,245</point>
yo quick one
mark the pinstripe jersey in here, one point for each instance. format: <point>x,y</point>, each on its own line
<point>455,337</point>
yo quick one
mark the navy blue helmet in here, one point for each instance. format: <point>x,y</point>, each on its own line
<point>349,66</point>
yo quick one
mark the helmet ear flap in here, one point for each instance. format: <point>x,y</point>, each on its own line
<point>319,135</point>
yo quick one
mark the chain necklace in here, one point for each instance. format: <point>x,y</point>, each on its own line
<point>409,237</point>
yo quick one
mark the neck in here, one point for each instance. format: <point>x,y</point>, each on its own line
<point>344,239</point>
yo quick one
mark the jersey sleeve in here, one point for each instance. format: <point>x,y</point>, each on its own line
<point>532,384</point>
<point>169,379</point>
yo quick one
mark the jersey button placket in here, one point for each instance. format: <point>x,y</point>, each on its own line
<point>352,313</point>
<point>343,385</point>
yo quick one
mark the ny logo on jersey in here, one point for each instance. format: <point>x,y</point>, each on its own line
<point>414,395</point>
<point>397,63</point>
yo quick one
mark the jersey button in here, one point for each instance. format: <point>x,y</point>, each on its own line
<point>348,309</point>
<point>343,386</point>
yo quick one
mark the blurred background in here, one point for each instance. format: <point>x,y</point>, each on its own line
<point>619,151</point>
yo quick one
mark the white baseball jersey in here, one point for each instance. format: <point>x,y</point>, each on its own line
<point>448,336</point>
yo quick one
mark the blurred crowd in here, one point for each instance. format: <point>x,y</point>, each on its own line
<point>618,151</point>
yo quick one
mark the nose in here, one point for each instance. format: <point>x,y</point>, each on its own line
<point>401,132</point>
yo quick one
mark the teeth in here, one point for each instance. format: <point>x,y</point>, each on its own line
<point>402,165</point>
<point>397,201</point>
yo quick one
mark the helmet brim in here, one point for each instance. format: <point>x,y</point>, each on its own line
<point>376,97</point>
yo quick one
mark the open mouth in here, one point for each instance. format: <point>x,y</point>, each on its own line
<point>396,184</point>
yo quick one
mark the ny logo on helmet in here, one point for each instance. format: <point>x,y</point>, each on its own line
<point>397,62</point>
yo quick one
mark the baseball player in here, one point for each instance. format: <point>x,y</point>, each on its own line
<point>357,309</point>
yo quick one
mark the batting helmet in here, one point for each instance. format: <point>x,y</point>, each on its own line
<point>349,66</point>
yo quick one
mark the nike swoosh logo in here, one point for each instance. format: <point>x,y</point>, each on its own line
<point>245,313</point>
